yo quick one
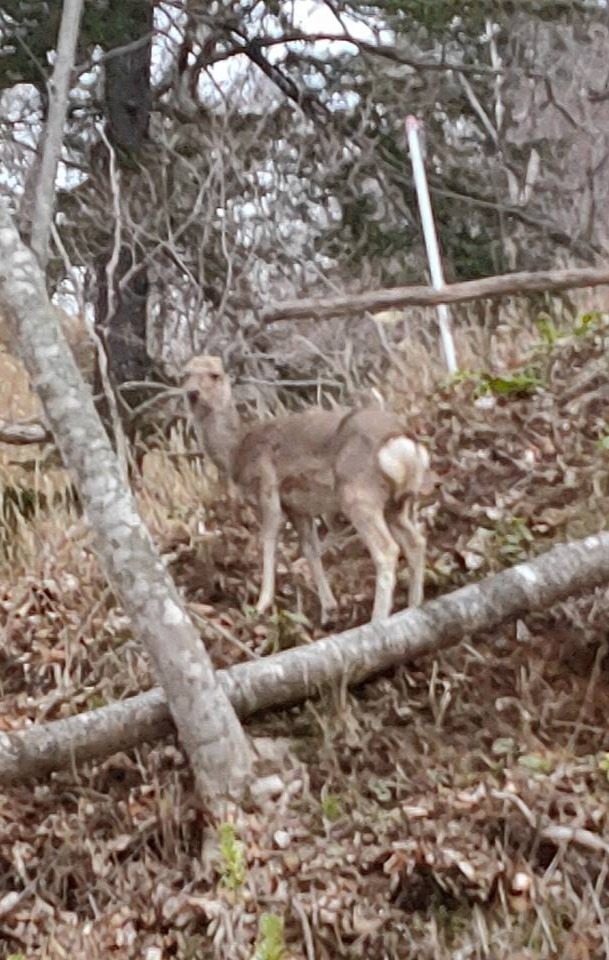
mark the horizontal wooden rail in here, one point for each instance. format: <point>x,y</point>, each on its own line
<point>509,284</point>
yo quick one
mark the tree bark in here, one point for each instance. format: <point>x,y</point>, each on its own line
<point>122,285</point>
<point>209,730</point>
<point>510,284</point>
<point>122,328</point>
<point>127,95</point>
<point>293,675</point>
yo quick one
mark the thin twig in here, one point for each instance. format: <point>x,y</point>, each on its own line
<point>122,450</point>
<point>121,51</point>
<point>306,929</point>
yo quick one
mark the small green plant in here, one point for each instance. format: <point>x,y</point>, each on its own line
<point>521,382</point>
<point>271,942</point>
<point>512,538</point>
<point>587,322</point>
<point>603,764</point>
<point>232,854</point>
<point>331,807</point>
<point>548,330</point>
<point>536,763</point>
<point>95,701</point>
<point>518,382</point>
<point>285,630</point>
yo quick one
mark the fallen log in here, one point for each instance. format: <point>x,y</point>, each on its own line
<point>22,434</point>
<point>508,284</point>
<point>293,675</point>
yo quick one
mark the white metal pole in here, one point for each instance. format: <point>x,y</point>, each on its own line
<point>431,240</point>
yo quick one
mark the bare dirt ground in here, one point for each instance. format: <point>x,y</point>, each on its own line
<point>454,808</point>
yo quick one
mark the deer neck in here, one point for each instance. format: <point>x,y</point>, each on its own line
<point>220,432</point>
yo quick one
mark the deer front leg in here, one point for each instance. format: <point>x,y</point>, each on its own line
<point>270,525</point>
<point>309,544</point>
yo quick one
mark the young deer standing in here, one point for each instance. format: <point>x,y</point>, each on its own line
<point>304,465</point>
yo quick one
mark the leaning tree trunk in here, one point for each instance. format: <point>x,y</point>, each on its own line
<point>206,722</point>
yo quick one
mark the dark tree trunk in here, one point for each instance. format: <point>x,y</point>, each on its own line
<point>122,321</point>
<point>127,76</point>
<point>122,310</point>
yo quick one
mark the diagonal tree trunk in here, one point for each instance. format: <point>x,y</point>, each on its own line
<point>209,730</point>
<point>293,675</point>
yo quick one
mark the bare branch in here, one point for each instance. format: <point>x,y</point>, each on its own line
<point>573,243</point>
<point>385,51</point>
<point>22,434</point>
<point>44,200</point>
<point>509,284</point>
<point>309,104</point>
<point>114,52</point>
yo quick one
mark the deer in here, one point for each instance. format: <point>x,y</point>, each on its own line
<point>356,461</point>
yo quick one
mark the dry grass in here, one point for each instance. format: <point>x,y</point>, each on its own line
<point>417,817</point>
<point>16,399</point>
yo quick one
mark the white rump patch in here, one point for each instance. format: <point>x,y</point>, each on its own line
<point>404,462</point>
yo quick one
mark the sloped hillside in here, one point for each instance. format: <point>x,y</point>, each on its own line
<point>454,808</point>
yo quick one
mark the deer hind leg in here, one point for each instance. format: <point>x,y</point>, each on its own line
<point>270,525</point>
<point>413,545</point>
<point>309,544</point>
<point>366,515</point>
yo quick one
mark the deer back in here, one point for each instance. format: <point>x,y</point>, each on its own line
<point>298,451</point>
